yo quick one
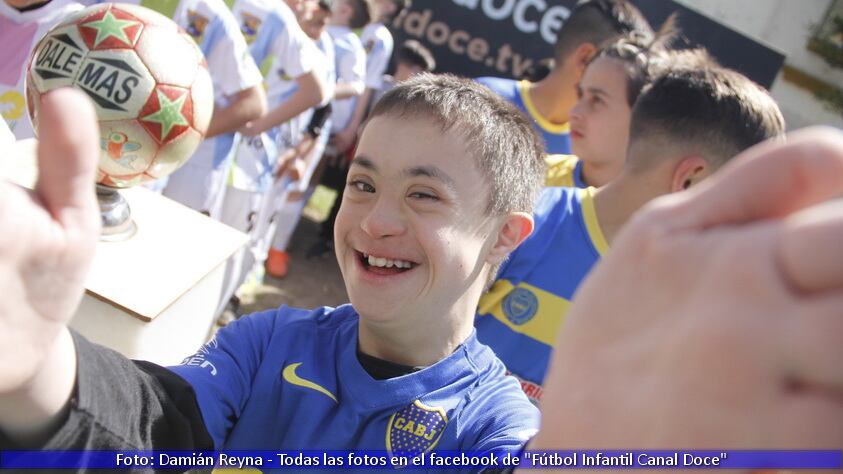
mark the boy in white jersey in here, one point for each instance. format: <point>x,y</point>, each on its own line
<point>297,165</point>
<point>378,42</point>
<point>351,69</point>
<point>22,24</point>
<point>351,59</point>
<point>295,84</point>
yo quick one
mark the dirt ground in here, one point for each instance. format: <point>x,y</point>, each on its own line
<point>309,283</point>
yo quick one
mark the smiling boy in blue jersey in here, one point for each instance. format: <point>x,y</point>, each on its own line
<point>439,193</point>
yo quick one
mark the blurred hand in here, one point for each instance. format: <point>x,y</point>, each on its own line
<point>716,321</point>
<point>48,238</point>
<point>251,129</point>
<point>344,140</point>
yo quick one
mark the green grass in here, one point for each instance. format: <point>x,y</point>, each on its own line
<point>318,208</point>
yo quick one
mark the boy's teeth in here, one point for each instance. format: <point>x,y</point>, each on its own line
<point>385,262</point>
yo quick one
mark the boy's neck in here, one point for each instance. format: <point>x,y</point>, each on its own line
<point>405,342</point>
<point>339,23</point>
<point>554,96</point>
<point>618,200</point>
<point>597,175</point>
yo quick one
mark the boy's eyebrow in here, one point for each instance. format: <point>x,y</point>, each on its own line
<point>427,171</point>
<point>433,172</point>
<point>364,162</point>
<point>598,91</point>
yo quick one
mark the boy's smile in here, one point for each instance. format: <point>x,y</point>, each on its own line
<point>412,235</point>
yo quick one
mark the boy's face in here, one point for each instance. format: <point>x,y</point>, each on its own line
<point>600,118</point>
<point>314,26</point>
<point>385,8</point>
<point>341,12</point>
<point>413,196</point>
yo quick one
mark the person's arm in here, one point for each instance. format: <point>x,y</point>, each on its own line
<point>57,392</point>
<point>346,137</point>
<point>351,74</point>
<point>248,104</point>
<point>347,90</point>
<point>715,319</point>
<point>310,92</point>
<point>235,76</point>
<point>45,250</point>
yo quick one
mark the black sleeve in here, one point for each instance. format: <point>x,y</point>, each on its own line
<point>318,119</point>
<point>119,404</point>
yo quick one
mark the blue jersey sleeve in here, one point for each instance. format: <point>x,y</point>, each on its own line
<point>501,416</point>
<point>222,371</point>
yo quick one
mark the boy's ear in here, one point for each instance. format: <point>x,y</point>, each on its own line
<point>582,56</point>
<point>516,227</point>
<point>689,171</point>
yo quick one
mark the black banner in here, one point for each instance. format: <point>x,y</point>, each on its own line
<point>506,38</point>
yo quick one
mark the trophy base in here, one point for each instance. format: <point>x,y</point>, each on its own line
<point>117,223</point>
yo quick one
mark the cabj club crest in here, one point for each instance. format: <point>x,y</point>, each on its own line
<point>415,429</point>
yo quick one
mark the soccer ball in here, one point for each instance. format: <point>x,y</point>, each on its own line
<point>147,79</point>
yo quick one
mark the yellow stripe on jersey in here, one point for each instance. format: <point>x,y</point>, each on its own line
<point>547,125</point>
<point>560,170</point>
<point>591,222</point>
<point>544,329</point>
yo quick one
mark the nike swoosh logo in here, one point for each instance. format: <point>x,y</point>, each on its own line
<point>289,374</point>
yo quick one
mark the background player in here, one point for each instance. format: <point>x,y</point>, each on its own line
<point>687,124</point>
<point>295,81</point>
<point>606,94</point>
<point>549,101</point>
<point>378,43</point>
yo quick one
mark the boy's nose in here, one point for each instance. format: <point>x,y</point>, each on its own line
<point>384,219</point>
<point>576,111</point>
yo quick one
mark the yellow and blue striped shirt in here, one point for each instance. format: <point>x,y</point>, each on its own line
<point>520,317</point>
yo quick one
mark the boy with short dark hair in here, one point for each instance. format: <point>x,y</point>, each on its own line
<point>683,128</point>
<point>549,101</point>
<point>439,193</point>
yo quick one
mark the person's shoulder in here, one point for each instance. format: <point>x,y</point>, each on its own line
<point>557,197</point>
<point>500,415</point>
<point>502,86</point>
<point>283,13</point>
<point>380,31</point>
<point>323,318</point>
<point>560,170</point>
<point>209,7</point>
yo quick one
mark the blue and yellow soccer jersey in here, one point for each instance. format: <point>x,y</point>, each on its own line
<point>556,137</point>
<point>521,315</point>
<point>564,171</point>
<point>290,379</point>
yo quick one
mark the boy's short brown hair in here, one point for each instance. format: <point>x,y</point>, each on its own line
<point>712,111</point>
<point>598,22</point>
<point>508,151</point>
